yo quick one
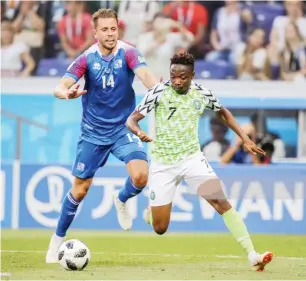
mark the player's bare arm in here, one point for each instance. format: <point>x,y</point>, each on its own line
<point>146,76</point>
<point>227,117</point>
<point>68,89</point>
<point>132,124</point>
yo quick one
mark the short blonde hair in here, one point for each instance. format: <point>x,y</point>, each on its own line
<point>103,14</point>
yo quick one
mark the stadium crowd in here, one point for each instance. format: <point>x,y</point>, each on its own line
<point>248,40</point>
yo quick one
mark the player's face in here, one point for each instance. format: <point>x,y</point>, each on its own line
<point>181,76</point>
<point>106,32</point>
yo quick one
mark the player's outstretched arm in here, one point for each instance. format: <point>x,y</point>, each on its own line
<point>227,117</point>
<point>146,77</point>
<point>133,126</point>
<point>68,89</point>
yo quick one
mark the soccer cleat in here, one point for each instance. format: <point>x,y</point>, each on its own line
<point>261,260</point>
<point>55,244</point>
<point>123,215</point>
<point>147,214</point>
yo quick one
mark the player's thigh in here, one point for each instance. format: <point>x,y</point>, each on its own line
<point>130,150</point>
<point>201,178</point>
<point>89,158</point>
<point>163,182</point>
<point>129,147</point>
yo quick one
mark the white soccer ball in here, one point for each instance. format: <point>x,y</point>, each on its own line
<point>74,255</point>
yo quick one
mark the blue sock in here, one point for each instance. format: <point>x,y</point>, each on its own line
<point>69,208</point>
<point>128,191</point>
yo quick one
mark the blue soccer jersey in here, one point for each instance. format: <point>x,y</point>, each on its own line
<point>110,97</point>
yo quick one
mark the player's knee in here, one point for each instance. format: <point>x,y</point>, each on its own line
<point>221,205</point>
<point>160,228</point>
<point>80,188</point>
<point>140,179</point>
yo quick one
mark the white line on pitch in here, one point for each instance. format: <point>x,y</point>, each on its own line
<point>156,254</point>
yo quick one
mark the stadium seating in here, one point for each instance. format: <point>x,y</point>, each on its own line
<point>52,67</point>
<point>214,70</point>
<point>264,15</point>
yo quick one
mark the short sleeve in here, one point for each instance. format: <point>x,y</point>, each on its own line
<point>151,99</point>
<point>134,58</point>
<point>77,68</point>
<point>210,100</point>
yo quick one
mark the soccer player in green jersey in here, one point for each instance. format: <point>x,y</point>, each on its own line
<point>176,153</point>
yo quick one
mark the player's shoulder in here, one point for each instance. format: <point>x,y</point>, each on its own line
<point>202,90</point>
<point>160,87</point>
<point>92,49</point>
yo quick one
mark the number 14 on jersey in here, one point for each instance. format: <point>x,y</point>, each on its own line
<point>108,82</point>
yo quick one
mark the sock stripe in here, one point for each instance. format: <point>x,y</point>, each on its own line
<point>242,238</point>
<point>72,200</point>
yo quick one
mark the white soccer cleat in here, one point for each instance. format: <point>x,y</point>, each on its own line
<point>147,214</point>
<point>259,261</point>
<point>123,215</point>
<point>55,244</point>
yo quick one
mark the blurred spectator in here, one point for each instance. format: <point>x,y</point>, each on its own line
<point>194,17</point>
<point>251,57</point>
<point>214,148</point>
<point>294,10</point>
<point>93,6</point>
<point>121,29</point>
<point>29,26</point>
<point>160,44</point>
<point>137,15</point>
<point>236,153</point>
<point>293,66</point>
<point>3,10</point>
<point>15,57</point>
<point>9,9</point>
<point>75,30</point>
<point>226,32</point>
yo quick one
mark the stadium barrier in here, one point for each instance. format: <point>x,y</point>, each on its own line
<point>271,199</point>
<point>55,140</point>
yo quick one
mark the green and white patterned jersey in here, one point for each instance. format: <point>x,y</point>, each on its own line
<point>176,120</point>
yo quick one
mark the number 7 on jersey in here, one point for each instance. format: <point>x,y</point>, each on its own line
<point>173,109</point>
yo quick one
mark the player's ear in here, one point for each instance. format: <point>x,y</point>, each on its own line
<point>193,74</point>
<point>95,33</point>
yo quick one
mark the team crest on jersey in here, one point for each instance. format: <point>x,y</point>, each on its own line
<point>96,66</point>
<point>197,104</point>
<point>118,64</point>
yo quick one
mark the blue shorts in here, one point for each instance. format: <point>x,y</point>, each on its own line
<point>90,157</point>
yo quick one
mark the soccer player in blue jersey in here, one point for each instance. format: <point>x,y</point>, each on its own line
<point>109,67</point>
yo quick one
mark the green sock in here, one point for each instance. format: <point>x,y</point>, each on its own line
<point>236,226</point>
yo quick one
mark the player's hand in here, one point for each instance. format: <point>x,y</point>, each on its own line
<point>143,136</point>
<point>251,147</point>
<point>74,92</point>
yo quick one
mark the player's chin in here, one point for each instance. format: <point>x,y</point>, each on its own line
<point>110,44</point>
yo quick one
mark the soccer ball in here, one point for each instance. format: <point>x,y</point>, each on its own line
<point>74,255</point>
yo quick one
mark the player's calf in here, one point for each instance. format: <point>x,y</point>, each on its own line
<point>160,218</point>
<point>69,208</point>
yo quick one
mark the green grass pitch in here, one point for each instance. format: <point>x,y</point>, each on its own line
<point>146,256</point>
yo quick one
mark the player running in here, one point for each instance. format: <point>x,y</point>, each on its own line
<point>109,68</point>
<point>176,153</point>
